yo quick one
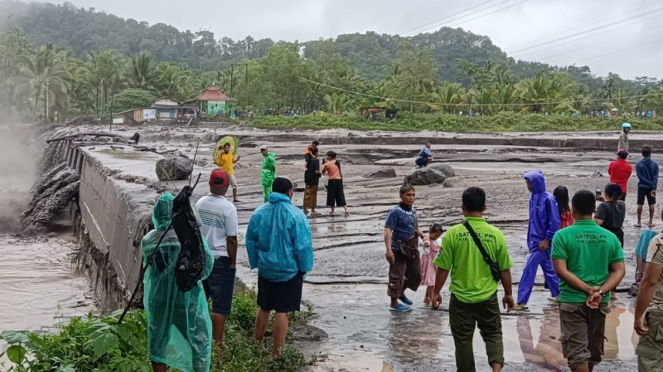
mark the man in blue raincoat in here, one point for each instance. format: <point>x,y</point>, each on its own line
<point>179,328</point>
<point>278,242</point>
<point>544,221</point>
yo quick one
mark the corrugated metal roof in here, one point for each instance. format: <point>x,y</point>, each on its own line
<point>213,93</point>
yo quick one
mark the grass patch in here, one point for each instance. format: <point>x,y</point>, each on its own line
<point>99,345</point>
<point>501,122</point>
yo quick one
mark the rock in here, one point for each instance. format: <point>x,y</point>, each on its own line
<point>444,168</point>
<point>597,174</point>
<point>382,173</point>
<point>449,183</point>
<point>424,176</point>
<point>174,168</point>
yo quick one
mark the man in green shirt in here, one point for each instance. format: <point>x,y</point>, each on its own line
<point>649,310</point>
<point>589,261</point>
<point>473,288</point>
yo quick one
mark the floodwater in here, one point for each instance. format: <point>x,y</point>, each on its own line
<point>38,287</point>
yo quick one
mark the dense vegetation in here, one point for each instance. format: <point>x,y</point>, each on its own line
<point>85,62</point>
<point>100,345</point>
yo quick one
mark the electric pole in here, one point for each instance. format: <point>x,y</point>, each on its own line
<point>232,79</point>
<point>47,117</point>
<point>247,86</point>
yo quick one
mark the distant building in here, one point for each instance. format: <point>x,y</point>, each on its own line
<point>212,102</point>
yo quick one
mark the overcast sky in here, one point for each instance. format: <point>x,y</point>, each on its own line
<point>628,35</point>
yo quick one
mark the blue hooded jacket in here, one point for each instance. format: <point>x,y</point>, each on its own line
<point>544,217</point>
<point>278,240</point>
<point>647,171</point>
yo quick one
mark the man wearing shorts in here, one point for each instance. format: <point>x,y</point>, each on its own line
<point>649,310</point>
<point>228,161</point>
<point>278,243</point>
<point>589,262</point>
<point>647,171</point>
<point>219,227</point>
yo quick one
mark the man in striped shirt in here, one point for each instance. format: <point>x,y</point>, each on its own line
<point>219,219</point>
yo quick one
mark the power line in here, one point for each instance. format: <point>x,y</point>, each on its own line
<point>453,15</point>
<point>584,32</point>
<point>488,104</point>
<point>623,50</point>
<point>493,12</point>
<point>601,43</point>
<point>520,56</point>
<point>576,28</point>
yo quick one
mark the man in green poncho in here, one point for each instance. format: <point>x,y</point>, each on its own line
<point>268,172</point>
<point>179,327</point>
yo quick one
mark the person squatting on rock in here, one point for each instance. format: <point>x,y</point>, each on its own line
<point>647,171</point>
<point>424,157</point>
<point>544,221</point>
<point>432,244</point>
<point>179,328</point>
<point>278,243</point>
<point>476,254</point>
<point>220,228</point>
<point>268,172</point>
<point>401,239</point>
<point>649,310</point>
<point>311,180</point>
<point>590,263</point>
<point>228,161</point>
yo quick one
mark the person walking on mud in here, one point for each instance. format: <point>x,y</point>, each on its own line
<point>544,222</point>
<point>268,172</point>
<point>278,243</point>
<point>647,171</point>
<point>401,239</point>
<point>476,254</point>
<point>590,263</point>
<point>335,193</point>
<point>623,137</point>
<point>227,163</point>
<point>649,310</point>
<point>312,180</point>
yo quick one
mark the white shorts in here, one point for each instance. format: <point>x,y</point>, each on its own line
<point>232,180</point>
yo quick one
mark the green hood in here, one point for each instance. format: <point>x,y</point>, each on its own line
<point>162,213</point>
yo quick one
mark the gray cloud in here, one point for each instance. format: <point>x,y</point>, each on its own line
<point>533,23</point>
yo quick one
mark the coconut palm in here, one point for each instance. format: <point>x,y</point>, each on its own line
<point>142,71</point>
<point>43,77</point>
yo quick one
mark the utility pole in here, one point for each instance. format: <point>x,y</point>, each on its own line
<point>47,117</point>
<point>247,86</point>
<point>232,79</point>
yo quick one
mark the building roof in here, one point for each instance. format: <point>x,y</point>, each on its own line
<point>213,93</point>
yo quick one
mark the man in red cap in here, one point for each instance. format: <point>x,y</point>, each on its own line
<point>219,219</point>
<point>620,171</point>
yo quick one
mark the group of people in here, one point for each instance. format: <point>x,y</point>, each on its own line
<point>583,263</point>
<point>331,166</point>
<point>278,243</point>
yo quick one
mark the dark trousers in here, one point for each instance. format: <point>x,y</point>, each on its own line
<point>464,318</point>
<point>404,273</point>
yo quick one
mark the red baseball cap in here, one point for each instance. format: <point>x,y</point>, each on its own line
<point>218,178</point>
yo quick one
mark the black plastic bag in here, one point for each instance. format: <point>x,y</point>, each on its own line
<point>192,259</point>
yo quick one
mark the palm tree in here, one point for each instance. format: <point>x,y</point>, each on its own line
<point>44,75</point>
<point>451,96</point>
<point>105,70</point>
<point>143,71</point>
<point>336,102</point>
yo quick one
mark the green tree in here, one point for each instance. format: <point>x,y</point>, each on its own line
<point>133,98</point>
<point>142,72</point>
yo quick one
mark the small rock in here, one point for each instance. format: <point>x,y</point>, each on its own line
<point>449,183</point>
<point>382,173</point>
<point>597,174</point>
<point>424,176</point>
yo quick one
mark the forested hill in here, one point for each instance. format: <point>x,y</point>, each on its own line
<point>372,54</point>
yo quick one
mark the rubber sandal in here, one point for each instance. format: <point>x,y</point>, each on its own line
<point>520,308</point>
<point>405,300</point>
<point>400,308</point>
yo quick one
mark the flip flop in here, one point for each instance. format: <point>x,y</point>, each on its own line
<point>638,226</point>
<point>652,226</point>
<point>347,214</point>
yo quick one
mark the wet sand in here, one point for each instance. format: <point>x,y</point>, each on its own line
<point>347,287</point>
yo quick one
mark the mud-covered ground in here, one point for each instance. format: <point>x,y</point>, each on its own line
<point>347,287</point>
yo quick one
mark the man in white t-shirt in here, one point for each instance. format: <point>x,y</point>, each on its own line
<point>219,218</point>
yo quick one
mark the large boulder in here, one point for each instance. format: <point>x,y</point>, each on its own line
<point>424,176</point>
<point>174,168</point>
<point>382,173</point>
<point>444,168</point>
